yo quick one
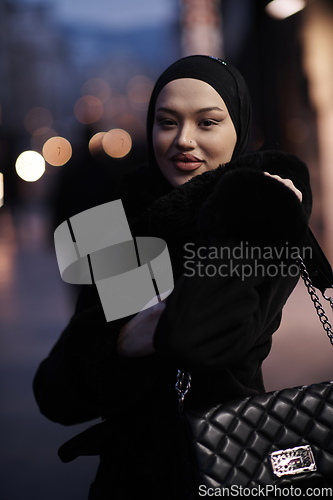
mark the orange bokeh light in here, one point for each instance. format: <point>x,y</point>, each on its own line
<point>139,89</point>
<point>97,87</point>
<point>132,124</point>
<point>117,143</point>
<point>40,136</point>
<point>88,109</point>
<point>57,151</point>
<point>37,118</point>
<point>96,143</point>
<point>116,105</point>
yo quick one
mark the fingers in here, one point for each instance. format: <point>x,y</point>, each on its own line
<point>288,183</point>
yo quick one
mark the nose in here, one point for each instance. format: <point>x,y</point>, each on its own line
<point>185,138</point>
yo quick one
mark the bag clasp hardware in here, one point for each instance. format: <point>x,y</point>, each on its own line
<point>293,461</point>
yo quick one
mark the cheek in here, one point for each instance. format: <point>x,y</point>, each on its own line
<point>156,142</point>
<point>156,137</point>
<point>160,142</point>
<point>224,143</point>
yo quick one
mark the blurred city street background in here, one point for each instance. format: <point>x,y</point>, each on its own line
<point>73,72</point>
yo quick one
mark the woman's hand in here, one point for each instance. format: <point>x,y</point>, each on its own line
<point>288,183</point>
<point>136,336</point>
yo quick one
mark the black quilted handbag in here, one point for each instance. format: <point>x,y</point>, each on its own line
<point>264,443</point>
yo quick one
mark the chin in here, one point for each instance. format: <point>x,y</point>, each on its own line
<point>177,179</point>
<point>181,179</point>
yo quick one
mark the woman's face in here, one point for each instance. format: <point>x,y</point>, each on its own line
<point>192,131</point>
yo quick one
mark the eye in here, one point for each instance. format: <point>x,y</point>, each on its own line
<point>166,122</point>
<point>208,123</point>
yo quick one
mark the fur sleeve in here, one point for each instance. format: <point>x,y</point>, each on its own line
<point>249,206</point>
<point>75,382</point>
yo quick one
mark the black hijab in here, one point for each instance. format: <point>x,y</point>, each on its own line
<point>226,80</point>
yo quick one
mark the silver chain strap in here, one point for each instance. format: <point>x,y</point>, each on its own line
<point>183,384</point>
<point>182,388</point>
<point>315,299</point>
<point>330,300</point>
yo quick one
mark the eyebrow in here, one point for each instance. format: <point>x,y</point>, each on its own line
<point>211,108</point>
<point>203,110</point>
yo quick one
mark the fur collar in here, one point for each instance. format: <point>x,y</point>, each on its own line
<point>234,200</point>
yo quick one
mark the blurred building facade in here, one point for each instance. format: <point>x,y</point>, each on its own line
<point>36,68</point>
<point>46,65</point>
<point>50,67</point>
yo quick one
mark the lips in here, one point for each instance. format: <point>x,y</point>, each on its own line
<point>184,161</point>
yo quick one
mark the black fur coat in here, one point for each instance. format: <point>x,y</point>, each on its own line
<point>219,326</point>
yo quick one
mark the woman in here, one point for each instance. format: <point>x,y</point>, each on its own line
<point>200,195</point>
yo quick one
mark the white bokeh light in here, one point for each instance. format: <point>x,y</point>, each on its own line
<point>30,166</point>
<point>280,9</point>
